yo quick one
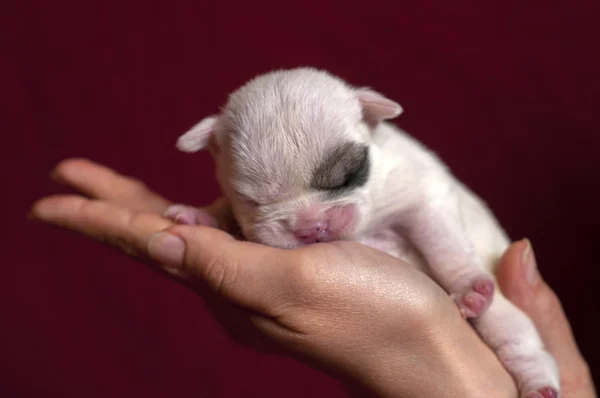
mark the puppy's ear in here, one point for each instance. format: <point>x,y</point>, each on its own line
<point>377,107</point>
<point>199,136</point>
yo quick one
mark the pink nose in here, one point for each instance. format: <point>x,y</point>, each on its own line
<point>314,232</point>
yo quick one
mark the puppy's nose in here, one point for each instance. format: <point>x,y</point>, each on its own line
<point>313,232</point>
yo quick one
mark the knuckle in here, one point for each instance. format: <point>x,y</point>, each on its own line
<point>547,303</point>
<point>124,237</point>
<point>88,210</point>
<point>125,240</point>
<point>65,165</point>
<point>217,274</point>
<point>119,233</point>
<point>136,185</point>
<point>124,244</point>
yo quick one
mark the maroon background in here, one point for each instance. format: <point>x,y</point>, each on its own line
<point>505,92</point>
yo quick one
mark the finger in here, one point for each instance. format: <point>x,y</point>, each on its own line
<point>250,275</point>
<point>256,277</point>
<point>522,284</point>
<point>100,182</point>
<point>104,221</point>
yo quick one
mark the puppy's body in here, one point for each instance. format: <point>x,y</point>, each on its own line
<point>399,186</point>
<point>303,158</point>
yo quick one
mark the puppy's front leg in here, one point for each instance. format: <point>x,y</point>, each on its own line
<point>185,214</point>
<point>436,229</point>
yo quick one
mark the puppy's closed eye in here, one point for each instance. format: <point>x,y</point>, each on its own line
<point>351,177</point>
<point>249,202</point>
<point>347,167</point>
<point>246,200</point>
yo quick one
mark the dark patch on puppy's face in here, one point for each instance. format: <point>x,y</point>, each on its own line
<point>345,168</point>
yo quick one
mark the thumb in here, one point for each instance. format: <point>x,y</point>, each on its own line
<point>521,282</point>
<point>247,274</point>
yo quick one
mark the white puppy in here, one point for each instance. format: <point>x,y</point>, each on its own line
<point>303,157</point>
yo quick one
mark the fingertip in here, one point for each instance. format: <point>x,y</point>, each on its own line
<point>56,207</point>
<point>66,167</point>
<point>509,267</point>
<point>63,165</point>
<point>68,162</point>
<point>31,214</point>
<point>33,210</point>
<point>39,209</point>
<point>512,257</point>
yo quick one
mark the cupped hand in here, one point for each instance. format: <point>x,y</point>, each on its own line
<point>349,310</point>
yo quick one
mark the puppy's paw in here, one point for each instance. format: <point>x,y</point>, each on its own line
<point>544,392</point>
<point>183,214</point>
<point>473,301</point>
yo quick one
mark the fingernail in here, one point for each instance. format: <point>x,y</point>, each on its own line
<point>167,249</point>
<point>529,265</point>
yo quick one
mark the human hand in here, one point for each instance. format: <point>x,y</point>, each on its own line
<point>342,307</point>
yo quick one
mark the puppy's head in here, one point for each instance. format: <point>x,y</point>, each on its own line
<point>293,155</point>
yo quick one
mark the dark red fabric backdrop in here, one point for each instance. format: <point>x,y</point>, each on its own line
<point>506,92</point>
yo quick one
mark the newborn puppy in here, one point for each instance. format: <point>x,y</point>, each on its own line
<point>304,157</point>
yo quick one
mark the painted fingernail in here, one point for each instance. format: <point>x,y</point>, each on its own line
<point>529,265</point>
<point>167,249</point>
